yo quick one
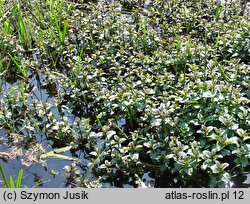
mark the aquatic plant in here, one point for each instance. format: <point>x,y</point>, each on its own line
<point>125,91</point>
<point>11,183</point>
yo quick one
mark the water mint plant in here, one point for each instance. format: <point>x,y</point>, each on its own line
<point>126,91</point>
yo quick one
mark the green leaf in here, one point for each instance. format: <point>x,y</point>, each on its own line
<point>208,94</point>
<point>231,140</point>
<point>242,133</point>
<point>218,167</point>
<point>19,178</point>
<point>52,154</point>
<point>125,135</point>
<point>189,171</point>
<point>234,126</point>
<point>225,177</point>
<point>6,183</point>
<point>62,150</point>
<point>157,122</point>
<point>246,138</point>
<point>134,156</point>
<point>12,183</point>
<point>223,73</point>
<point>110,133</point>
<point>55,154</point>
<point>225,120</point>
<point>148,144</point>
<point>177,167</point>
<point>90,168</point>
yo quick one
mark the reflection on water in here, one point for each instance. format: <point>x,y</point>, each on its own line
<point>247,181</point>
<point>13,154</point>
<point>35,171</point>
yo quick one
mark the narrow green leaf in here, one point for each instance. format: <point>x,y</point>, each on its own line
<point>90,168</point>
<point>6,183</point>
<point>51,154</point>
<point>12,183</point>
<point>62,150</point>
<point>19,178</point>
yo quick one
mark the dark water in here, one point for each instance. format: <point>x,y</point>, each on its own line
<point>36,172</point>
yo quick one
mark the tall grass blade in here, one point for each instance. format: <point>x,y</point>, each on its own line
<point>20,67</point>
<point>6,183</point>
<point>19,178</point>
<point>125,135</point>
<point>12,183</point>
<point>90,168</point>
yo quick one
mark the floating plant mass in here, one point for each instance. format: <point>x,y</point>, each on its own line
<point>125,93</point>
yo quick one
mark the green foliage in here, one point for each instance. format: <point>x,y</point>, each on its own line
<point>162,90</point>
<point>11,183</point>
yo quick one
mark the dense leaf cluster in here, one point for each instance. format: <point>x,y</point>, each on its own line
<point>163,90</point>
